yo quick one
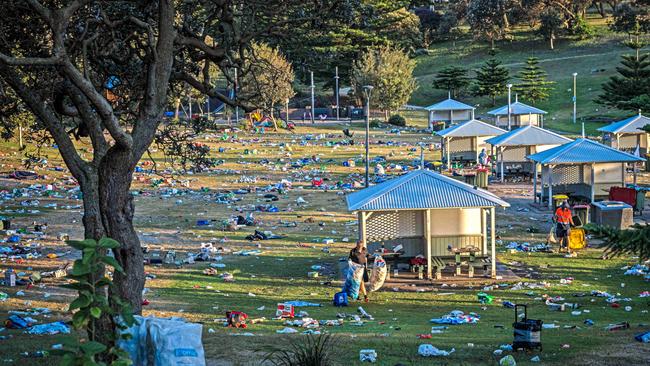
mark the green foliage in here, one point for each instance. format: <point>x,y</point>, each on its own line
<point>390,72</point>
<point>533,86</point>
<point>633,241</point>
<point>630,19</point>
<point>310,350</point>
<point>630,89</point>
<point>583,29</point>
<point>492,79</point>
<point>488,19</point>
<point>550,25</point>
<point>375,123</point>
<point>95,304</point>
<point>453,79</point>
<point>268,78</point>
<point>176,139</point>
<point>397,120</point>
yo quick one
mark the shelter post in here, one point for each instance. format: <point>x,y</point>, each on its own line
<point>593,182</point>
<point>362,227</point>
<point>502,171</point>
<point>535,182</point>
<point>550,186</point>
<point>447,142</point>
<point>427,239</point>
<point>492,241</point>
<point>484,230</point>
<point>476,147</point>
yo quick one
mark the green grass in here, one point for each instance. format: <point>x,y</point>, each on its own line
<point>582,56</point>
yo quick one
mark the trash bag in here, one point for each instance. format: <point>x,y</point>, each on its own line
<point>353,278</point>
<point>427,350</point>
<point>550,238</point>
<point>378,274</point>
<point>169,341</point>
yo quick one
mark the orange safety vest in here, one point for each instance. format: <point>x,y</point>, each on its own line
<point>563,215</point>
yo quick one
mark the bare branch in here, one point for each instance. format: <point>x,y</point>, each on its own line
<point>30,61</point>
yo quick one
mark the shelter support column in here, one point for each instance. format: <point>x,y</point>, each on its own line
<point>502,171</point>
<point>476,148</point>
<point>493,241</point>
<point>550,186</point>
<point>451,118</point>
<point>484,230</point>
<point>362,227</point>
<point>535,182</point>
<point>593,182</point>
<point>447,150</point>
<point>427,239</point>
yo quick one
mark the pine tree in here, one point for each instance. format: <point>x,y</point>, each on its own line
<point>492,79</point>
<point>533,86</point>
<point>630,89</point>
<point>453,79</point>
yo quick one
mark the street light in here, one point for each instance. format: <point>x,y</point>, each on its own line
<point>312,97</point>
<point>509,104</point>
<point>336,79</point>
<point>367,90</point>
<point>575,75</point>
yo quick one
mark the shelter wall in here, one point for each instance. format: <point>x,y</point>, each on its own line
<point>458,116</point>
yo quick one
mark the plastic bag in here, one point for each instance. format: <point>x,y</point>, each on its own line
<point>550,238</point>
<point>378,274</point>
<point>353,278</point>
<point>427,350</point>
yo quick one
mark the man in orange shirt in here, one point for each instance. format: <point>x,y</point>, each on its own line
<point>564,219</point>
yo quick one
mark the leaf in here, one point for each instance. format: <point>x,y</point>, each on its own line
<point>108,243</point>
<point>80,269</point>
<point>103,282</point>
<point>95,312</point>
<point>82,244</point>
<point>112,262</point>
<point>68,360</point>
<point>80,302</point>
<point>79,286</point>
<point>79,319</point>
<point>92,348</point>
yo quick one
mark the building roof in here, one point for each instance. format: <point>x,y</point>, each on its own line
<point>515,109</point>
<point>628,125</point>
<point>528,136</point>
<point>582,151</point>
<point>449,104</point>
<point>421,189</point>
<point>471,128</point>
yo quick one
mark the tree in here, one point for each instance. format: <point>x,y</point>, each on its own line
<point>550,25</point>
<point>452,79</point>
<point>533,86</point>
<point>630,89</point>
<point>268,78</point>
<point>390,72</point>
<point>104,69</point>
<point>492,79</point>
<point>633,241</point>
<point>630,19</point>
<point>402,27</point>
<point>488,19</point>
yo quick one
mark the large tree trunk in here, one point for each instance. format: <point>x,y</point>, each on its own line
<point>117,209</point>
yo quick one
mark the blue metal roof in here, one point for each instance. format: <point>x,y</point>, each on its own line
<point>421,189</point>
<point>582,151</point>
<point>449,104</point>
<point>471,128</point>
<point>628,125</point>
<point>528,136</point>
<point>515,109</point>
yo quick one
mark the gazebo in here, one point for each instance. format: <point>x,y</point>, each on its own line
<point>520,115</point>
<point>427,213</point>
<point>513,147</point>
<point>582,168</point>
<point>464,141</point>
<point>449,111</point>
<point>626,135</point>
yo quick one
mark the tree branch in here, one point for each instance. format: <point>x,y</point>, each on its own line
<point>30,61</point>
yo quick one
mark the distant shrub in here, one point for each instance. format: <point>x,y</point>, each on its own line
<point>375,123</point>
<point>397,120</point>
<point>582,29</point>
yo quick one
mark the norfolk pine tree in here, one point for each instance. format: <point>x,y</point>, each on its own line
<point>533,86</point>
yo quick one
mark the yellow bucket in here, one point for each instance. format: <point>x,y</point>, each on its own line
<point>577,238</point>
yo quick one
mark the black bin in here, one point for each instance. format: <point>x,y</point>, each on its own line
<point>527,332</point>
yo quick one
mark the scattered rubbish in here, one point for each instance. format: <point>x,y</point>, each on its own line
<point>428,350</point>
<point>368,355</point>
<point>507,361</point>
<point>49,328</point>
<point>457,317</point>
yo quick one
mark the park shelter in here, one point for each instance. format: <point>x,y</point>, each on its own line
<point>582,168</point>
<point>449,111</point>
<point>520,115</point>
<point>626,135</point>
<point>426,212</point>
<point>465,141</point>
<point>512,148</point>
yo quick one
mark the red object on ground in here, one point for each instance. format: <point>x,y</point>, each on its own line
<point>317,182</point>
<point>145,302</point>
<point>417,261</point>
<point>616,305</point>
<point>424,336</point>
<point>627,195</point>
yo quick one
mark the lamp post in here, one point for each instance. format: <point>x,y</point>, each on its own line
<point>336,80</point>
<point>235,95</point>
<point>367,89</point>
<point>312,97</point>
<point>575,75</point>
<point>509,105</point>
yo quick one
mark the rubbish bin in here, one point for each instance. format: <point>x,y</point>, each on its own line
<point>582,212</point>
<point>558,199</point>
<point>470,179</point>
<point>482,178</point>
<point>612,213</point>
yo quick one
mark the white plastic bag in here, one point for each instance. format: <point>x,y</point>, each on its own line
<point>377,275</point>
<point>427,350</point>
<point>176,343</point>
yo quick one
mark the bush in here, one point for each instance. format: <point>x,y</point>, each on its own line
<point>375,123</point>
<point>582,29</point>
<point>397,120</point>
<point>320,350</point>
